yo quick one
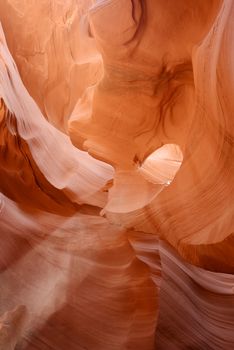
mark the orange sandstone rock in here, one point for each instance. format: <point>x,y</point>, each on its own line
<point>116,175</point>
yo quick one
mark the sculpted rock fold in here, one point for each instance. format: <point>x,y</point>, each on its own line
<point>116,175</point>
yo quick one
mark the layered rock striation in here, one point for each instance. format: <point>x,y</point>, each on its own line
<point>116,175</point>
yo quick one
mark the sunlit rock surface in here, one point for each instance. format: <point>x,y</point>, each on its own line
<point>116,175</point>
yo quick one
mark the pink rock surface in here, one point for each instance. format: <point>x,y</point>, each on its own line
<point>116,175</point>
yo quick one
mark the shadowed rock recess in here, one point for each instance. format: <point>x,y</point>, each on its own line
<point>116,175</point>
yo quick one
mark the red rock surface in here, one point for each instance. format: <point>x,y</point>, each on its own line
<point>116,175</point>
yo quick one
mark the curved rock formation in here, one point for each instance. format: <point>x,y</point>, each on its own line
<point>116,175</point>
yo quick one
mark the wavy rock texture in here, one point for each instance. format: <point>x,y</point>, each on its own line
<point>116,175</point>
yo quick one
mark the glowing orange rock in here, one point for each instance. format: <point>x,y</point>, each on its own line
<point>116,175</point>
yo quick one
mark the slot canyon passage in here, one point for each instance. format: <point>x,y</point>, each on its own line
<point>117,174</point>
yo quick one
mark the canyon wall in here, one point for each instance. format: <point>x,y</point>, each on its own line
<point>116,175</point>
